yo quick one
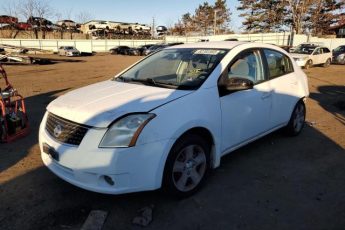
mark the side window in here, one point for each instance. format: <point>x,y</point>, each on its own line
<point>247,65</point>
<point>278,63</point>
<point>317,51</point>
<point>326,50</point>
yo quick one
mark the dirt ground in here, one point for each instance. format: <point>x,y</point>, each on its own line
<point>277,182</point>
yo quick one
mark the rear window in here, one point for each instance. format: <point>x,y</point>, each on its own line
<point>326,50</point>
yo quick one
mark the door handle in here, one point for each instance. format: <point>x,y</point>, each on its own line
<point>266,95</point>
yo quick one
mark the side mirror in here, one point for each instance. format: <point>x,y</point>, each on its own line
<point>238,84</point>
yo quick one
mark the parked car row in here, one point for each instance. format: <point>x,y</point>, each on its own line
<point>307,55</point>
<point>143,50</point>
<point>37,23</point>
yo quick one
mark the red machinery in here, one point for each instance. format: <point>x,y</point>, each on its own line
<point>13,118</point>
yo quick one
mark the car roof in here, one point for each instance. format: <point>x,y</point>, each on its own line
<point>214,45</point>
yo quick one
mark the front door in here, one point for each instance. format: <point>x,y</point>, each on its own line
<point>245,114</point>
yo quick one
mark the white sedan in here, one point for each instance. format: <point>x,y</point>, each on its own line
<point>307,55</point>
<point>167,120</point>
<point>68,51</point>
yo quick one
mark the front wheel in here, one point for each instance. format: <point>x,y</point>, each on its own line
<point>327,63</point>
<point>297,120</point>
<point>309,64</point>
<point>187,166</point>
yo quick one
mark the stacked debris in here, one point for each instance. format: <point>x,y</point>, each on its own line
<point>15,55</point>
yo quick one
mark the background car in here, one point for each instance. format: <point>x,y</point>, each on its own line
<point>339,55</point>
<point>99,25</point>
<point>158,47</point>
<point>141,49</point>
<point>120,50</point>
<point>23,26</point>
<point>133,52</point>
<point>68,51</point>
<point>306,55</point>
<point>38,22</point>
<point>154,48</point>
<point>67,24</point>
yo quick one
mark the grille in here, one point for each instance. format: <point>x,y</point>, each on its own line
<point>65,131</point>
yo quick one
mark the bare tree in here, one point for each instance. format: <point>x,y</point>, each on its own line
<point>83,17</point>
<point>43,10</point>
<point>35,11</point>
<point>11,9</point>
<point>297,13</point>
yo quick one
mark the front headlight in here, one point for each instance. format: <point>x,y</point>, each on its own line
<point>341,56</point>
<point>125,131</point>
<point>302,59</point>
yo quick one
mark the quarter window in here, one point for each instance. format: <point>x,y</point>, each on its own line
<point>278,63</point>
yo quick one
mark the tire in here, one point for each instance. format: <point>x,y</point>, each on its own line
<point>327,63</point>
<point>309,64</point>
<point>297,120</point>
<point>187,166</point>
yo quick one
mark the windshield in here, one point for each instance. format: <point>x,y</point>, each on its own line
<point>304,49</point>
<point>69,48</point>
<point>180,68</point>
<point>340,49</point>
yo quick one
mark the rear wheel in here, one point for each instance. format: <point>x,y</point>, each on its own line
<point>327,63</point>
<point>296,123</point>
<point>187,166</point>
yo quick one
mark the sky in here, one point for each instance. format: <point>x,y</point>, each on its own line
<point>164,12</point>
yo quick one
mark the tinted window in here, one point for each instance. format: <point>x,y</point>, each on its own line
<point>278,63</point>
<point>326,50</point>
<point>317,51</point>
<point>247,65</point>
<point>304,49</point>
<point>340,49</point>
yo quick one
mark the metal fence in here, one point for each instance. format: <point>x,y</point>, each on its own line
<point>82,45</point>
<point>106,44</point>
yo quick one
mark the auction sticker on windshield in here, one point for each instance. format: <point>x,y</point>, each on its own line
<point>208,52</point>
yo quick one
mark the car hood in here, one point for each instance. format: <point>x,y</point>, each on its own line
<point>72,50</point>
<point>295,55</point>
<point>98,105</point>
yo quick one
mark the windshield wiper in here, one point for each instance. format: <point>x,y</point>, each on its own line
<point>147,81</point>
<point>152,82</point>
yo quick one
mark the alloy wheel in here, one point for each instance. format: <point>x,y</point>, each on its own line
<point>299,117</point>
<point>189,168</point>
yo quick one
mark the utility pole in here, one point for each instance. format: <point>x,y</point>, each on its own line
<point>153,28</point>
<point>215,20</point>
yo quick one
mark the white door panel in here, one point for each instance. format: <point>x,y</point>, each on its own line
<point>245,114</point>
<point>283,99</point>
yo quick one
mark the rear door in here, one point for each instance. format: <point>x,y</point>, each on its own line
<point>317,56</point>
<point>284,83</point>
